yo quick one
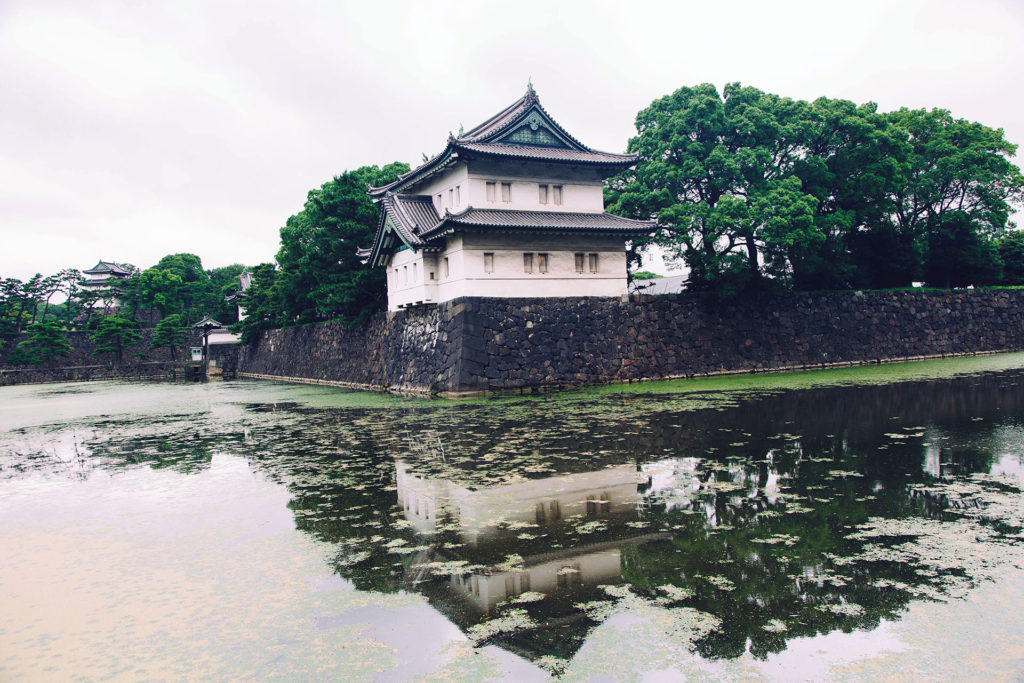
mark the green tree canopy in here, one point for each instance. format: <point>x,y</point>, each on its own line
<point>223,283</point>
<point>1011,253</point>
<point>717,171</point>
<point>262,303</point>
<point>176,285</point>
<point>320,276</point>
<point>113,335</point>
<point>752,189</point>
<point>169,333</point>
<point>47,340</point>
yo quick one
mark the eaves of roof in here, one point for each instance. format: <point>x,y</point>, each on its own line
<point>540,221</point>
<point>553,154</point>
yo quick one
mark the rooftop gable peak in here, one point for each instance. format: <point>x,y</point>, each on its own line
<point>524,122</point>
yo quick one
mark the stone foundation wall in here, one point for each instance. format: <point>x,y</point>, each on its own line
<point>474,345</point>
<point>411,351</point>
<point>40,374</point>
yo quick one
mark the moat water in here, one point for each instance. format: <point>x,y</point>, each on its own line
<point>865,523</point>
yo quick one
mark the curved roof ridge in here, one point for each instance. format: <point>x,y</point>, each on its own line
<point>561,128</point>
<point>511,115</point>
<point>381,189</point>
<point>547,153</point>
<point>505,116</point>
<point>482,139</point>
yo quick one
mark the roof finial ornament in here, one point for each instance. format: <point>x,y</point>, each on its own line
<point>530,92</point>
<point>450,136</point>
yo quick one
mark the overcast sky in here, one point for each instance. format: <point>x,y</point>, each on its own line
<point>130,130</point>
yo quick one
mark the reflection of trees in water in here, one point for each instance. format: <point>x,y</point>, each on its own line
<point>774,485</point>
<point>743,506</point>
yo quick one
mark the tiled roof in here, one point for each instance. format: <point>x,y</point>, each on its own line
<point>207,322</point>
<point>418,224</point>
<point>412,215</point>
<point>109,267</point>
<point>548,153</point>
<point>244,283</point>
<point>485,140</point>
<point>508,134</point>
<point>556,221</point>
<point>502,119</point>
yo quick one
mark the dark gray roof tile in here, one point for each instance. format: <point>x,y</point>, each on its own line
<point>559,154</point>
<point>485,140</point>
<point>558,221</point>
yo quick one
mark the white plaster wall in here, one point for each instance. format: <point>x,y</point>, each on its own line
<point>408,275</point>
<point>525,196</point>
<point>223,337</point>
<point>481,511</point>
<point>487,590</point>
<point>582,191</point>
<point>441,184</point>
<point>467,276</point>
<point>578,195</point>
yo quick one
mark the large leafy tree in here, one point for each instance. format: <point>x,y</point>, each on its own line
<point>69,283</point>
<point>751,188</point>
<point>170,334</point>
<point>320,276</point>
<point>960,254</point>
<point>852,160</point>
<point>958,193</point>
<point>1011,253</point>
<point>718,172</point>
<point>262,303</point>
<point>12,306</point>
<point>114,335</point>
<point>176,285</point>
<point>224,282</point>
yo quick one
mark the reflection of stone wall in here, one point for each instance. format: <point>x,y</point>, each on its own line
<point>474,345</point>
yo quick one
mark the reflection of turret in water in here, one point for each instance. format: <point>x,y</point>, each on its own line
<point>558,575</point>
<point>481,513</point>
<point>544,545</point>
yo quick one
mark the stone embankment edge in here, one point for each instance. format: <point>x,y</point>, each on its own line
<point>522,391</point>
<point>92,373</point>
<point>471,347</point>
<point>401,390</point>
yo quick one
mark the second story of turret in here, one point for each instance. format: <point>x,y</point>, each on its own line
<point>520,159</point>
